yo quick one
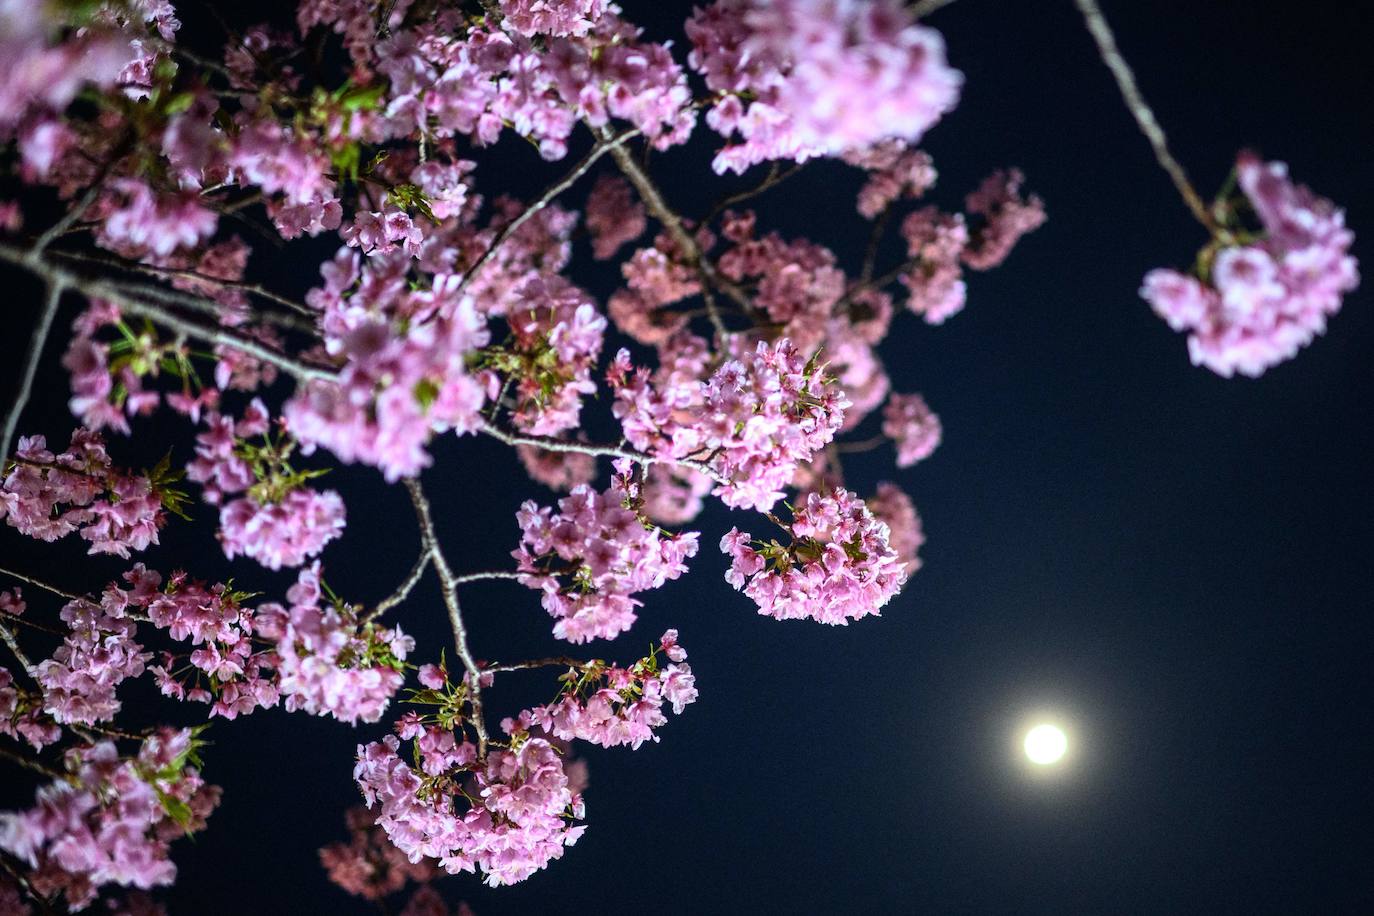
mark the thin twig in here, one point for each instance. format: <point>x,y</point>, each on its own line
<point>601,451</point>
<point>603,146</point>
<point>1135,103</point>
<point>449,585</point>
<point>924,8</point>
<point>39,583</point>
<point>35,625</point>
<point>487,574</point>
<point>211,307</point>
<point>153,270</point>
<point>558,660</point>
<point>684,240</point>
<point>12,869</point>
<point>403,590</point>
<point>31,360</point>
<point>220,336</point>
<point>875,240</point>
<point>7,637</point>
<point>865,445</point>
<point>775,177</point>
<point>26,763</point>
<point>68,220</point>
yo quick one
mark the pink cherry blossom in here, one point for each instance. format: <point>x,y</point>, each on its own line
<point>614,216</point>
<point>1262,301</point>
<point>758,415</point>
<point>800,63</point>
<point>368,865</point>
<point>48,496</point>
<point>909,422</point>
<point>514,815</point>
<point>838,566</point>
<point>611,706</point>
<point>894,508</point>
<point>591,555</point>
<point>330,663</point>
<point>112,821</point>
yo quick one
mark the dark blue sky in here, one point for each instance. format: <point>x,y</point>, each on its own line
<point>1176,563</point>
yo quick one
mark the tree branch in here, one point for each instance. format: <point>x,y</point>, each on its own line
<point>604,145</point>
<point>7,637</point>
<point>403,590</point>
<point>684,240</point>
<point>488,574</point>
<point>557,660</point>
<point>449,585</point>
<point>38,583</point>
<point>31,360</point>
<point>26,763</point>
<point>153,270</point>
<point>601,451</point>
<point>924,8</point>
<point>1135,103</point>
<point>219,336</point>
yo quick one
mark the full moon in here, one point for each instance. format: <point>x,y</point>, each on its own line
<point>1046,744</point>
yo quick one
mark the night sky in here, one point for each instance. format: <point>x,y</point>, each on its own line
<point>1175,564</point>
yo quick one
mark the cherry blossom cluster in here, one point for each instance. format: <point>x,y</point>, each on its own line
<point>21,710</point>
<point>111,819</point>
<point>896,171</point>
<point>656,278</point>
<point>614,216</point>
<point>1260,294</point>
<point>752,420</point>
<point>611,706</point>
<point>109,378</point>
<point>278,521</point>
<point>329,662</point>
<point>556,338</point>
<point>910,423</point>
<point>556,64</point>
<point>369,866</point>
<point>593,553</point>
<point>226,669</point>
<point>396,389</point>
<point>940,244</point>
<point>506,818</point>
<point>787,72</point>
<point>98,654</point>
<point>48,496</point>
<point>839,565</point>
<point>893,507</point>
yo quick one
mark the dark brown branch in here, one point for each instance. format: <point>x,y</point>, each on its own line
<point>152,270</point>
<point>924,8</point>
<point>34,765</point>
<point>38,583</point>
<point>775,177</point>
<point>403,590</point>
<point>1135,103</point>
<point>685,241</point>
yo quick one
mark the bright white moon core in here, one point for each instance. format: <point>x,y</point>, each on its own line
<point>1046,744</point>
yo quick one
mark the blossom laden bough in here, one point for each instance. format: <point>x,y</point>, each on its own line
<point>838,565</point>
<point>1275,270</point>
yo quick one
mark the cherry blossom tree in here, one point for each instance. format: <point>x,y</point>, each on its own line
<point>738,364</point>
